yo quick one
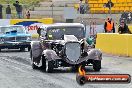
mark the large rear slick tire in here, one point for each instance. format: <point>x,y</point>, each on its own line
<point>34,66</point>
<point>32,62</point>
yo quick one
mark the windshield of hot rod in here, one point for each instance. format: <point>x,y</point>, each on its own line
<point>57,33</point>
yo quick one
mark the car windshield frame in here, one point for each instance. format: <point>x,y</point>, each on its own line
<point>77,31</point>
<point>18,29</point>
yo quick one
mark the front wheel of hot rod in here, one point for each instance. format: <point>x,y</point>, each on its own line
<point>43,67</point>
<point>49,66</point>
<point>97,65</point>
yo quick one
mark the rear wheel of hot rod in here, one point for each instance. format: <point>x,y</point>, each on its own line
<point>97,65</point>
<point>34,66</point>
<point>43,67</point>
<point>32,63</point>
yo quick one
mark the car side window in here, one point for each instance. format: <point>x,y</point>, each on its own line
<point>42,32</point>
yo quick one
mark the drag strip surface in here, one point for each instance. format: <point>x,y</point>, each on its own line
<point>16,72</point>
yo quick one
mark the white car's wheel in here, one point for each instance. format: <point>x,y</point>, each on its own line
<point>22,49</point>
<point>29,48</point>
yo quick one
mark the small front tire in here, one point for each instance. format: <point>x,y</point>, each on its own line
<point>43,67</point>
<point>49,66</point>
<point>97,65</point>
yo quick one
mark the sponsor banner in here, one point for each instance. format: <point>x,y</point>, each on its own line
<point>31,24</point>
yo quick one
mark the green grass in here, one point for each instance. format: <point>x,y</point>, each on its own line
<point>27,4</point>
<point>21,1</point>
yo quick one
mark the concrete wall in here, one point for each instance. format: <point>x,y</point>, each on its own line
<point>114,43</point>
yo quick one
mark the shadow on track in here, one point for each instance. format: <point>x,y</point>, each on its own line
<point>69,70</point>
<point>12,50</point>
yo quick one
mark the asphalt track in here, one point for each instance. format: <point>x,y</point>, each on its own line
<point>16,72</point>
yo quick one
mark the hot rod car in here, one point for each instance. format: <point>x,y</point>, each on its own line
<point>14,37</point>
<point>63,45</point>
